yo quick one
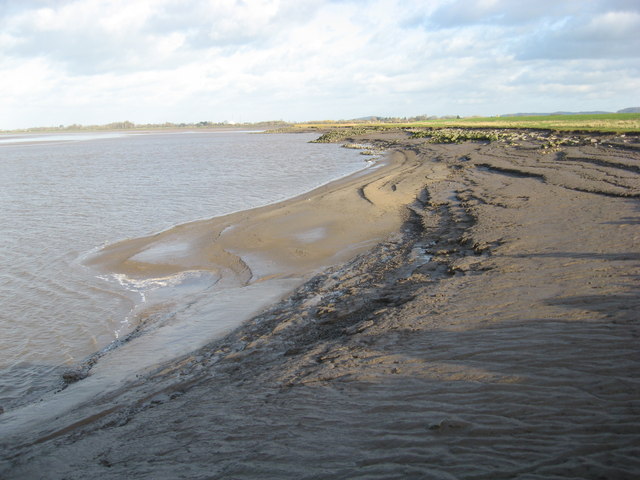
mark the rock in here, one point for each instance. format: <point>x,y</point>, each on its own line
<point>74,374</point>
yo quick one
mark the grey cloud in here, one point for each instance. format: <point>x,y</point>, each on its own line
<point>461,13</point>
<point>202,28</point>
<point>621,5</point>
<point>90,49</point>
<point>503,12</point>
<point>579,39</point>
<point>591,72</point>
<point>547,29</point>
<point>83,48</point>
<point>12,7</point>
<point>85,54</point>
<point>206,27</point>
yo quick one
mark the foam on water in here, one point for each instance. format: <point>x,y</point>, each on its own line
<point>179,283</point>
<point>180,330</point>
<point>169,289</point>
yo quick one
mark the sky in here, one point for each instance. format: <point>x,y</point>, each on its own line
<point>94,62</point>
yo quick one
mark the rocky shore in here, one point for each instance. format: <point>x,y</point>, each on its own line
<point>494,334</point>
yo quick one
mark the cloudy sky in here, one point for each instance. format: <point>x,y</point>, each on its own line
<point>152,61</point>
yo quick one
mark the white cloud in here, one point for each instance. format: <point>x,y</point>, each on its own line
<point>22,80</point>
<point>96,61</point>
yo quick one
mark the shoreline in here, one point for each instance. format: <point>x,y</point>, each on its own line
<point>303,243</point>
<point>98,321</point>
<point>302,229</point>
<point>498,303</point>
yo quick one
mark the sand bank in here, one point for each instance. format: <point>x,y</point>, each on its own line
<point>490,333</point>
<point>294,237</point>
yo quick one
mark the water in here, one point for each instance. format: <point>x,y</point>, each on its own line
<point>64,196</point>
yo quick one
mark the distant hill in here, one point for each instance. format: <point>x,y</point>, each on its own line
<point>629,110</point>
<point>552,113</point>
<point>624,110</point>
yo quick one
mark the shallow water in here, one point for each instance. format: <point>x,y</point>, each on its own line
<point>62,197</point>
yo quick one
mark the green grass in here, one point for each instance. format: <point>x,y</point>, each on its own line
<point>609,122</point>
<point>606,122</point>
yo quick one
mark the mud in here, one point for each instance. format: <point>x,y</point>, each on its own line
<point>493,335</point>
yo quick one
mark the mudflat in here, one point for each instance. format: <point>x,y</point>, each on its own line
<point>484,326</point>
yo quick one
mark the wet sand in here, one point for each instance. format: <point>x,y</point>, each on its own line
<point>290,238</point>
<point>485,326</point>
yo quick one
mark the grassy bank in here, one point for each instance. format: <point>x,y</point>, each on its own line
<point>610,122</point>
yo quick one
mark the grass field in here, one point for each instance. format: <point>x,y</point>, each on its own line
<point>609,122</point>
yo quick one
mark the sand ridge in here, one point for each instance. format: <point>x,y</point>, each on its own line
<point>492,335</point>
<point>301,235</point>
